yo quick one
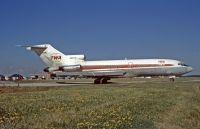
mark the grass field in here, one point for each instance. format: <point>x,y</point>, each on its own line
<point>131,104</point>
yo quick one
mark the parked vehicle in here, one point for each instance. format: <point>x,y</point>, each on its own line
<point>15,77</point>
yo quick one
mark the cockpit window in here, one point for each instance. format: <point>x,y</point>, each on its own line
<point>182,64</point>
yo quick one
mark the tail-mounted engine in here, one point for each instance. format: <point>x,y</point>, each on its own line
<point>51,69</point>
<point>69,68</point>
<point>77,57</point>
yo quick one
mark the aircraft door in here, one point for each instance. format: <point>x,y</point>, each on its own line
<point>130,65</point>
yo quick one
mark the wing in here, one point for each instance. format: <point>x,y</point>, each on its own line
<point>94,74</point>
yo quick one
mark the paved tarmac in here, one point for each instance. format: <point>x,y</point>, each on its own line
<point>78,82</point>
<point>42,84</point>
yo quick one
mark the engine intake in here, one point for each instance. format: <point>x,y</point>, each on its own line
<point>77,57</point>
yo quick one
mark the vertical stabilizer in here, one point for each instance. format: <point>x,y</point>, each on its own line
<point>49,55</point>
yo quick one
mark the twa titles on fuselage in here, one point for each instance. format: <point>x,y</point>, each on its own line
<point>59,64</point>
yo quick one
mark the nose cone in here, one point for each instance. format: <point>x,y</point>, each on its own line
<point>189,69</point>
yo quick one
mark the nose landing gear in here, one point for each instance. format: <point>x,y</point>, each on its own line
<point>172,78</point>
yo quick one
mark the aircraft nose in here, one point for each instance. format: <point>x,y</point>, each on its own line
<point>189,69</point>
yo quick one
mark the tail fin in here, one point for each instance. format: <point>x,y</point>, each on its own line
<point>49,55</point>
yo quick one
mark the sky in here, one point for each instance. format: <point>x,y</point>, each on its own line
<point>100,29</point>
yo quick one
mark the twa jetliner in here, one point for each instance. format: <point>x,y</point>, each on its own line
<point>59,64</point>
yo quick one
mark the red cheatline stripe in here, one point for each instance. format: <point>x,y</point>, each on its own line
<point>89,67</point>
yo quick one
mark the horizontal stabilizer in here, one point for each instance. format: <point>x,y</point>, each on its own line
<point>34,47</point>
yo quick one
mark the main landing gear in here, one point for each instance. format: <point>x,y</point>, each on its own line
<point>101,80</point>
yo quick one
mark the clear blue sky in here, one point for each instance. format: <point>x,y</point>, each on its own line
<point>101,29</point>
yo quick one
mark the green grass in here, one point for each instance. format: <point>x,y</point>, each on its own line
<point>140,104</point>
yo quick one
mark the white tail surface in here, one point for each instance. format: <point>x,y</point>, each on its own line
<point>49,55</point>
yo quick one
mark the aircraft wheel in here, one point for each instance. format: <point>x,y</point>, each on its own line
<point>105,80</point>
<point>97,81</point>
<point>172,78</point>
<point>101,81</point>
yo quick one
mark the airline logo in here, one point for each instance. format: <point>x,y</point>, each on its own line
<point>56,57</point>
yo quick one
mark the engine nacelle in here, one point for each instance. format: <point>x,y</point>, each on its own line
<point>51,69</point>
<point>71,68</point>
<point>77,57</point>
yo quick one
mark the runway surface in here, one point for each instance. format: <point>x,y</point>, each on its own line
<point>78,82</point>
<point>43,84</point>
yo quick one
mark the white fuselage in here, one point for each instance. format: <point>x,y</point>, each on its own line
<point>138,67</point>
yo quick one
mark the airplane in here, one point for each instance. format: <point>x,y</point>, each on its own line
<point>61,65</point>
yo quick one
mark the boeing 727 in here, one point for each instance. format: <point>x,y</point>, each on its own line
<point>59,64</point>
